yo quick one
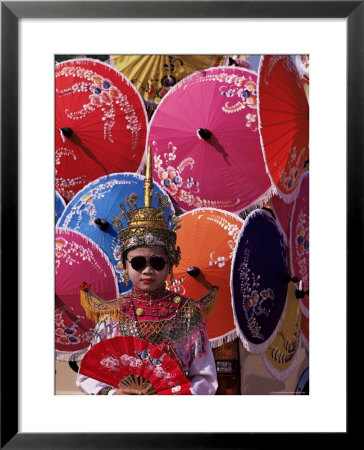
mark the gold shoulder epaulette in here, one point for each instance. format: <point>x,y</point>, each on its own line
<point>208,301</point>
<point>95,307</point>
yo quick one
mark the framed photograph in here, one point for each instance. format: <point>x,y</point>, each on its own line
<point>32,33</point>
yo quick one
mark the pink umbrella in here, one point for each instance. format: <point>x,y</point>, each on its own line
<point>205,142</point>
<point>299,241</point>
<point>78,259</point>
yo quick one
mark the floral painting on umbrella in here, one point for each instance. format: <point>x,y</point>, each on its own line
<point>100,124</point>
<point>205,142</point>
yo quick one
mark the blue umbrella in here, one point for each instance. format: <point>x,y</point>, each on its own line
<point>60,205</point>
<point>259,281</point>
<point>94,208</point>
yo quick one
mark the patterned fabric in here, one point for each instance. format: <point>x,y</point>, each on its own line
<point>259,293</point>
<point>182,334</point>
<point>162,319</point>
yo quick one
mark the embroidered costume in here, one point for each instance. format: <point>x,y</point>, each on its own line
<point>173,323</point>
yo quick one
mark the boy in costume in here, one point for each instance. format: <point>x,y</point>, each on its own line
<point>150,311</point>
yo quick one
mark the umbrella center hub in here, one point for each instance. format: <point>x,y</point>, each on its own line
<point>204,133</point>
<point>193,271</point>
<point>67,131</point>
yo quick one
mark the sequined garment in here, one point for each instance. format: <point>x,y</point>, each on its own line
<point>172,322</point>
<point>159,317</point>
<point>164,318</point>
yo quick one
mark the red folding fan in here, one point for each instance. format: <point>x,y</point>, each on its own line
<point>137,364</point>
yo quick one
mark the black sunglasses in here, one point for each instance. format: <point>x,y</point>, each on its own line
<point>140,262</point>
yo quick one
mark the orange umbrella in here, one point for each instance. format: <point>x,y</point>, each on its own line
<point>207,239</point>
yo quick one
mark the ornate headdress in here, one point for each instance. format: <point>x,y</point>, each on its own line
<point>148,226</point>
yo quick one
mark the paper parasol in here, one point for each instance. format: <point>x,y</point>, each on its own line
<point>258,285</point>
<point>77,258</point>
<point>283,114</point>
<point>101,124</point>
<point>205,142</point>
<point>207,239</point>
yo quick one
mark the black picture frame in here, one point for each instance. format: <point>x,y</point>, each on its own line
<point>11,12</point>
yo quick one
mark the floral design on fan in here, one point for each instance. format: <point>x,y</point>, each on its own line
<point>145,355</point>
<point>103,95</point>
<point>69,335</point>
<point>113,364</point>
<point>295,163</point>
<point>173,182</point>
<point>302,245</point>
<point>73,253</point>
<point>253,299</point>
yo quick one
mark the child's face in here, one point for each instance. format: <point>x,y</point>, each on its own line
<point>148,278</point>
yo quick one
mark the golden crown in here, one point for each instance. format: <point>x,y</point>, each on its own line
<point>147,226</point>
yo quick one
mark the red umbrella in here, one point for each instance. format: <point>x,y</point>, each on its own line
<point>284,122</point>
<point>101,124</point>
